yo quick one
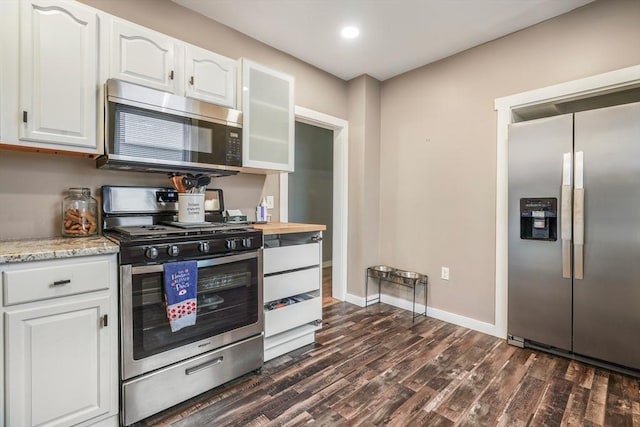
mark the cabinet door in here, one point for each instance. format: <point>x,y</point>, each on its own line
<point>58,72</point>
<point>210,77</point>
<point>57,362</point>
<point>143,56</point>
<point>268,118</point>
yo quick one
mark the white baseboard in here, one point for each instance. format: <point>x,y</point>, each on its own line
<point>445,316</point>
<point>352,299</point>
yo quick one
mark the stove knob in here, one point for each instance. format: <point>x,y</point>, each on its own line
<point>151,253</point>
<point>246,242</point>
<point>231,244</point>
<point>203,247</point>
<point>173,250</point>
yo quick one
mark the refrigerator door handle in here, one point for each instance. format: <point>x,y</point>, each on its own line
<point>578,217</point>
<point>565,214</point>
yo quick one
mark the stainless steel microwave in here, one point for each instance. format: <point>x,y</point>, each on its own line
<point>154,131</point>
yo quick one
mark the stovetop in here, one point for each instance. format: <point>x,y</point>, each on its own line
<point>174,228</point>
<point>142,220</point>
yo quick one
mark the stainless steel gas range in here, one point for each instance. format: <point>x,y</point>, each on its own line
<point>160,368</point>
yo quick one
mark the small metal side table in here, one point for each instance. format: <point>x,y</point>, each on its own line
<point>409,279</point>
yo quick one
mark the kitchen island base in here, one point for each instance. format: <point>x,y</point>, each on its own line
<point>292,286</point>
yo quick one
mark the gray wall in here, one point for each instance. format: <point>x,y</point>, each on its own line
<point>438,148</point>
<point>364,181</point>
<point>311,185</point>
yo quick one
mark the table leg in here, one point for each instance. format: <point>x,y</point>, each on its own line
<point>425,299</point>
<point>366,289</point>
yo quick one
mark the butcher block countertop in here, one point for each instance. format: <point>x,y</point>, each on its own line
<point>288,227</point>
<point>54,248</point>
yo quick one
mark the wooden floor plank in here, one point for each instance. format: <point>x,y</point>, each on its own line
<point>576,406</point>
<point>597,398</point>
<point>374,366</point>
<point>551,409</point>
<point>525,401</point>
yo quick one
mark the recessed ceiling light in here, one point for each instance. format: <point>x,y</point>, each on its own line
<point>350,32</point>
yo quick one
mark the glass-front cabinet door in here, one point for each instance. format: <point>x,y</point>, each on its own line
<point>268,113</point>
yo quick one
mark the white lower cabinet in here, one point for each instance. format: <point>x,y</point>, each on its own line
<point>60,353</point>
<point>292,291</point>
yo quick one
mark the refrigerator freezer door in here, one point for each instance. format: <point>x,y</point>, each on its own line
<point>607,299</point>
<point>539,297</point>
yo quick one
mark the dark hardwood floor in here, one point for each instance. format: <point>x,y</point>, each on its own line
<point>374,367</point>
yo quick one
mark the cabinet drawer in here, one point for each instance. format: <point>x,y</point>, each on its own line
<point>37,283</point>
<point>291,316</point>
<point>294,283</point>
<point>291,257</point>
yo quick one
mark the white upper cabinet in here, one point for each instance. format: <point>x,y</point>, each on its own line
<point>58,73</point>
<point>268,118</point>
<point>143,56</point>
<point>210,77</point>
<point>148,58</point>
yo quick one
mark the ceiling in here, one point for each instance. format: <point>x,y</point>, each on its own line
<point>395,35</point>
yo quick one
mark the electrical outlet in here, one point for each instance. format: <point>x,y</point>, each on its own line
<point>269,202</point>
<point>444,273</point>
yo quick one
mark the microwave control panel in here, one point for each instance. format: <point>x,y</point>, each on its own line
<point>234,147</point>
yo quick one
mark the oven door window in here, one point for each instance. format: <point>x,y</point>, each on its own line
<point>227,299</point>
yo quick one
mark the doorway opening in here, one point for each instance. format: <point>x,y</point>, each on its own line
<point>311,191</point>
<point>300,198</point>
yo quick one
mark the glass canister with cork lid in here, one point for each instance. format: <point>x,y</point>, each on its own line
<point>79,213</point>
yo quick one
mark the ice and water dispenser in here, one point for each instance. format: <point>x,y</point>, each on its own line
<point>539,218</point>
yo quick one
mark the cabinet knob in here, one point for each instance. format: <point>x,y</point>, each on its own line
<point>171,75</point>
<point>191,81</point>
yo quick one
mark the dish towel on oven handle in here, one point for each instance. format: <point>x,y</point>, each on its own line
<point>181,292</point>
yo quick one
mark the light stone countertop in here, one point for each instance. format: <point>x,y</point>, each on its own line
<point>12,251</point>
<point>288,227</point>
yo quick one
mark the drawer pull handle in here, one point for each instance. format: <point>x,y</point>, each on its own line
<point>105,320</point>
<point>61,282</point>
<point>203,366</point>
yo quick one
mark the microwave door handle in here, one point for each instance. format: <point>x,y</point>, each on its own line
<point>578,217</point>
<point>566,214</point>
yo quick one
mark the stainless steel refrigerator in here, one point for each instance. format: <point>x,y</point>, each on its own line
<point>574,234</point>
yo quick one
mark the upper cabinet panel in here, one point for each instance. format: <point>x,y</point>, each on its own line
<point>143,56</point>
<point>210,77</point>
<point>268,118</point>
<point>59,76</point>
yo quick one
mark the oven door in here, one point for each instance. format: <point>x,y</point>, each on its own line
<point>229,310</point>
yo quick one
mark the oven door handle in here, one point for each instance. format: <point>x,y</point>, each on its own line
<point>157,268</point>
<point>205,365</point>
